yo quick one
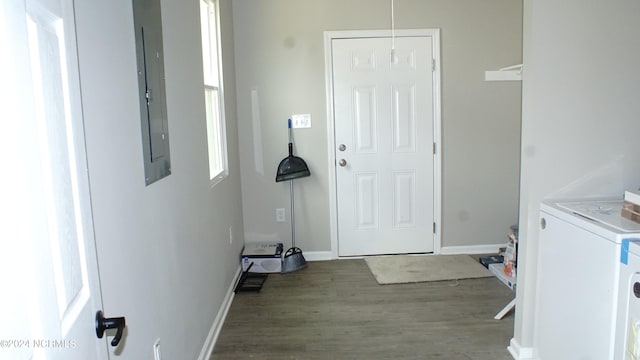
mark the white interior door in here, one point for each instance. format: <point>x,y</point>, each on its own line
<point>53,289</point>
<point>384,138</point>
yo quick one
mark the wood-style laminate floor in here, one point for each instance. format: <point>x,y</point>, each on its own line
<point>336,310</point>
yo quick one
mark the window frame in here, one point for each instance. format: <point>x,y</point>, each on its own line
<point>219,129</point>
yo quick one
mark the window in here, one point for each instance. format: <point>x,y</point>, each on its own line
<point>212,67</point>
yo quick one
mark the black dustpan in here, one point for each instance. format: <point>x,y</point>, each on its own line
<point>291,167</point>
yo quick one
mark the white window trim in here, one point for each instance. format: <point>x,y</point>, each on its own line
<point>224,173</point>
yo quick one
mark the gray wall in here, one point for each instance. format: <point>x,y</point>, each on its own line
<point>164,253</point>
<point>580,121</point>
<point>279,53</point>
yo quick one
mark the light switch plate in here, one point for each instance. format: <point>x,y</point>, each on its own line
<point>301,121</point>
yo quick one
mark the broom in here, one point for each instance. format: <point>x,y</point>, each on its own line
<point>292,167</point>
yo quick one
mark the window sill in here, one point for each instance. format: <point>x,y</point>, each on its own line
<point>218,179</point>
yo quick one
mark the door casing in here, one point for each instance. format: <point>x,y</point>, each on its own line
<point>333,205</point>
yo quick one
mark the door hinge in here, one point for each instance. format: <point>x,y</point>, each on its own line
<point>434,148</point>
<point>434,227</point>
<point>433,64</point>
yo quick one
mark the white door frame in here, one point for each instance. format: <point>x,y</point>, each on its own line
<point>333,205</point>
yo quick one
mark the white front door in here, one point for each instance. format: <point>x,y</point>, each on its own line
<point>384,138</point>
<point>52,289</point>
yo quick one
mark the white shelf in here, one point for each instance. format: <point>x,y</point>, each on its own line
<point>510,73</point>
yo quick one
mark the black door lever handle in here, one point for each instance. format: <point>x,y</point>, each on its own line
<point>103,324</point>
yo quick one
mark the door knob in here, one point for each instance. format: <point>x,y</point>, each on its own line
<point>342,147</point>
<point>103,324</point>
<point>342,162</point>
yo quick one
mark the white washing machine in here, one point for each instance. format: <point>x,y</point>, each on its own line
<point>628,320</point>
<point>578,279</point>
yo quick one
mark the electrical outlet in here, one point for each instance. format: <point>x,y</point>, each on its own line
<point>231,234</point>
<point>156,350</point>
<point>280,215</point>
<point>301,121</point>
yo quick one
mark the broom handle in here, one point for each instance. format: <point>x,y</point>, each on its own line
<point>293,222</point>
<point>293,226</point>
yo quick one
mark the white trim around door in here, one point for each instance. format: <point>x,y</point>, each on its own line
<point>435,35</point>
